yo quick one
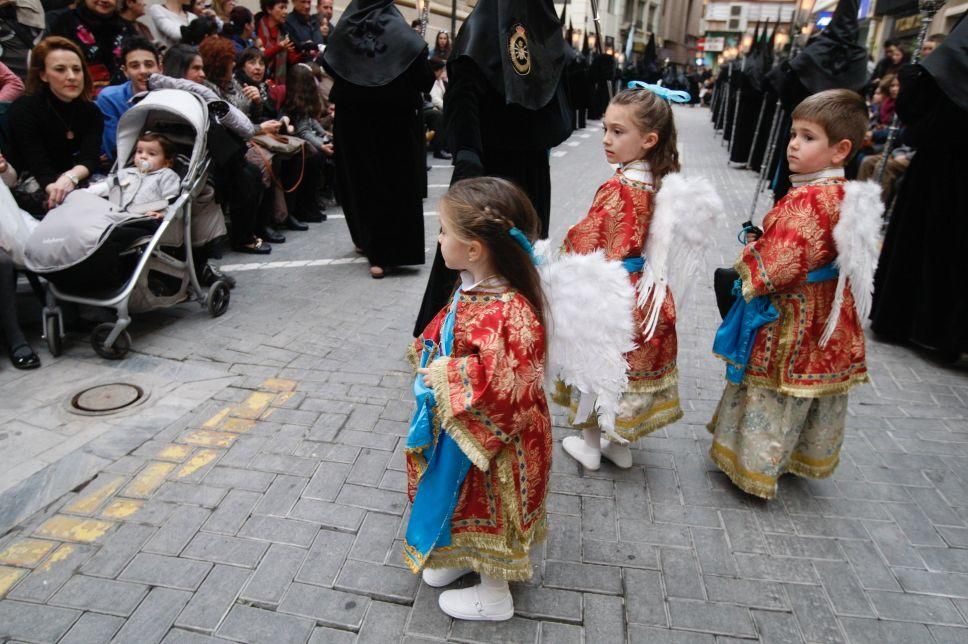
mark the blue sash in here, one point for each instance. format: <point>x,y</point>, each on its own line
<point>634,264</point>
<point>735,336</point>
<point>446,465</point>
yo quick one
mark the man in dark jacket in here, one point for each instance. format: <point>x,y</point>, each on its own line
<point>303,30</point>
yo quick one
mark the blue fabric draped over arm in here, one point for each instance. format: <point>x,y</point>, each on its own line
<point>737,333</point>
<point>446,465</point>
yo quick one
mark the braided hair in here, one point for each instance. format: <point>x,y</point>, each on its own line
<point>486,209</point>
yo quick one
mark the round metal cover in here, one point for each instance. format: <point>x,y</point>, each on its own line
<point>104,399</point>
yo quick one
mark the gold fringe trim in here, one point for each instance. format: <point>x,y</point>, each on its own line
<point>764,485</point>
<point>650,386</point>
<point>746,277</point>
<point>448,420</point>
<point>631,429</point>
<point>413,356</point>
<point>809,391</point>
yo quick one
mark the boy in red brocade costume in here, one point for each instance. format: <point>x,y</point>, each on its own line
<point>784,410</point>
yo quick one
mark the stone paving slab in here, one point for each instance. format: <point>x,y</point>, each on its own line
<point>261,497</point>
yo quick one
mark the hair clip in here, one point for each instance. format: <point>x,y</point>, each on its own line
<point>673,95</point>
<point>523,242</point>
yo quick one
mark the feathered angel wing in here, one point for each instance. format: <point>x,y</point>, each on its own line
<point>590,325</point>
<point>857,238</point>
<point>686,211</point>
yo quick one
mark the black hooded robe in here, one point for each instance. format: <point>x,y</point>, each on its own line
<point>378,79</point>
<point>919,287</point>
<point>500,124</point>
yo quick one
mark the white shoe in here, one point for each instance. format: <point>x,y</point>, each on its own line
<point>473,604</point>
<point>590,458</point>
<point>440,577</point>
<point>620,455</point>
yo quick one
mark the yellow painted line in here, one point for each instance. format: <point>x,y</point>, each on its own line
<point>238,425</point>
<point>26,552</point>
<point>8,577</point>
<point>121,508</point>
<point>206,438</point>
<point>68,528</point>
<point>88,502</point>
<point>173,452</point>
<point>201,458</point>
<point>148,480</point>
<point>254,405</point>
<point>278,385</point>
<point>59,555</point>
<point>283,398</point>
<point>215,420</point>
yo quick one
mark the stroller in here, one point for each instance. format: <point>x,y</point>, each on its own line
<point>120,260</point>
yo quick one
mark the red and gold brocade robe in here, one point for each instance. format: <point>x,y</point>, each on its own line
<point>491,400</point>
<point>798,238</point>
<point>618,224</point>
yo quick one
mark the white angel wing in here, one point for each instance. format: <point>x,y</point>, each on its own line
<point>857,238</point>
<point>686,212</point>
<point>589,322</point>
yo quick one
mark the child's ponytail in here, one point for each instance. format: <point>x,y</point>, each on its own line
<point>487,209</point>
<point>653,114</point>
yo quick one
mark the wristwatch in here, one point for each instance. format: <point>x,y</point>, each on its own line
<point>73,178</point>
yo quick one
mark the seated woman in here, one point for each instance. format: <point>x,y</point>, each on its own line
<point>55,127</point>
<point>96,28</point>
<point>239,29</point>
<point>237,182</point>
<point>304,107</point>
<point>129,11</point>
<point>21,355</point>
<point>167,19</point>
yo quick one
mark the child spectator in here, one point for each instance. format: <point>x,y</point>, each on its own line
<point>785,402</point>
<point>149,182</point>
<point>478,486</point>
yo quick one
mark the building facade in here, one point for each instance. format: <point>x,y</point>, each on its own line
<point>728,26</point>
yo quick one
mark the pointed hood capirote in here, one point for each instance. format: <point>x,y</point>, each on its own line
<point>948,64</point>
<point>517,45</point>
<point>834,59</point>
<point>372,44</point>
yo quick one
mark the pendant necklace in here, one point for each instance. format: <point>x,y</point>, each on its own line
<point>67,124</point>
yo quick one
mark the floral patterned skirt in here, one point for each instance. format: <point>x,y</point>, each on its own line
<point>760,434</point>
<point>639,413</point>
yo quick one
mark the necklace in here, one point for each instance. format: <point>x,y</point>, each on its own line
<point>66,124</point>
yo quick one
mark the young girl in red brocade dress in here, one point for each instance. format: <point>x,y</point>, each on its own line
<point>478,460</point>
<point>640,135</point>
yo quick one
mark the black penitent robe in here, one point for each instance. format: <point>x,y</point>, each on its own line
<point>511,142</point>
<point>919,287</point>
<point>380,172</point>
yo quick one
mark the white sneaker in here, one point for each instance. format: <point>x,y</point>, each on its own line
<point>620,455</point>
<point>590,458</point>
<point>440,577</point>
<point>470,604</point>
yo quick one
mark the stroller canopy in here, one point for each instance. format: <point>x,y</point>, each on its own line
<point>179,115</point>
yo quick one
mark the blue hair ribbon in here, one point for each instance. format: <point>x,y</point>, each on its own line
<point>673,95</point>
<point>523,242</point>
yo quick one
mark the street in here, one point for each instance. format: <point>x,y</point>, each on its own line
<point>257,494</point>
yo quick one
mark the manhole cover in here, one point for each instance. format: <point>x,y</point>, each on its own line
<point>106,399</point>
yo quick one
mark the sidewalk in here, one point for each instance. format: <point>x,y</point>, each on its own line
<point>259,494</point>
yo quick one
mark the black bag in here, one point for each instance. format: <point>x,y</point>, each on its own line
<point>723,279</point>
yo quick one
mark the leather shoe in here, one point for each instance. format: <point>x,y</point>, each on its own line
<point>315,217</point>
<point>24,358</point>
<point>294,224</point>
<point>272,236</point>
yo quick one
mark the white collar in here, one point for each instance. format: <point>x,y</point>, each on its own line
<point>492,284</point>
<point>827,173</point>
<point>637,171</point>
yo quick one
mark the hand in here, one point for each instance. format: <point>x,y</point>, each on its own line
<point>3,164</point>
<point>252,93</point>
<point>270,127</point>
<point>426,375</point>
<point>58,191</point>
<point>327,149</point>
<point>288,44</point>
<point>154,214</point>
<point>752,236</point>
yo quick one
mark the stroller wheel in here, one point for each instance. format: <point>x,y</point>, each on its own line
<point>116,351</point>
<point>218,298</point>
<point>55,343</point>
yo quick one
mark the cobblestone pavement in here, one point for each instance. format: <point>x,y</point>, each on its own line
<point>258,496</point>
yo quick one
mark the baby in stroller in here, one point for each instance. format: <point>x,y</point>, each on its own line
<point>145,186</point>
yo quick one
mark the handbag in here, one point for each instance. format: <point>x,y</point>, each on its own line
<point>267,156</point>
<point>282,145</point>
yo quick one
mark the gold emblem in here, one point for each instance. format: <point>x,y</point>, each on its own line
<point>518,50</point>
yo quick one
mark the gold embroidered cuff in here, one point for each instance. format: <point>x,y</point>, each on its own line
<point>468,444</point>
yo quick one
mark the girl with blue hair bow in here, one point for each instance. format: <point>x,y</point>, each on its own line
<point>479,445</point>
